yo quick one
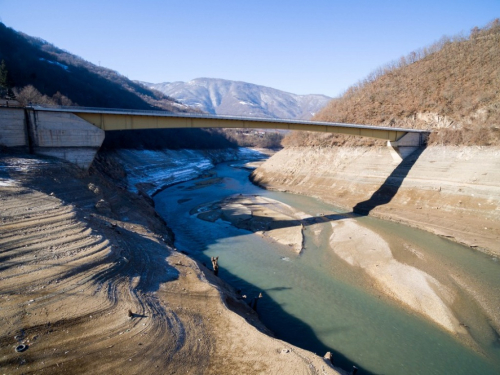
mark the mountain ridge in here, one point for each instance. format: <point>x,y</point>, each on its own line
<point>48,73</point>
<point>226,97</point>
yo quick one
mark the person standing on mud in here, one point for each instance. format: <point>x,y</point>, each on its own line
<point>215,265</point>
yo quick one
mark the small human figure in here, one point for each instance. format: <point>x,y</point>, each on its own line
<point>255,300</point>
<point>215,265</point>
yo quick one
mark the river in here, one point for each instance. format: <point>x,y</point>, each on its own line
<point>316,301</point>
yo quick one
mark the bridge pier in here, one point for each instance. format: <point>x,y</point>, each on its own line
<point>406,145</point>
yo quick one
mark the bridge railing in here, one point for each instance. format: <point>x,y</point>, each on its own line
<point>140,112</point>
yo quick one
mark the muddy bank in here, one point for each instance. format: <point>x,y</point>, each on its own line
<point>410,283</point>
<point>148,171</point>
<point>266,217</point>
<point>365,249</point>
<point>451,191</point>
<point>89,284</point>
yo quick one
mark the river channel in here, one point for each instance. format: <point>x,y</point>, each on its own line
<point>317,301</point>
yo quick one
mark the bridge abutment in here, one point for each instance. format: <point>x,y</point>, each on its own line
<point>13,128</point>
<point>407,144</point>
<point>57,134</point>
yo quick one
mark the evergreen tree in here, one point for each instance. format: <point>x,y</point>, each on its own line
<point>5,82</point>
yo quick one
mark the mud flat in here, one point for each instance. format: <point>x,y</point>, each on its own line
<point>450,191</point>
<point>407,282</point>
<point>411,286</point>
<point>266,217</point>
<point>91,284</point>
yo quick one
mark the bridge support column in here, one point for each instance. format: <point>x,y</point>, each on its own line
<point>64,136</point>
<point>407,144</point>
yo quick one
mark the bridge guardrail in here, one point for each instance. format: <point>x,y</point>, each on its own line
<point>141,112</point>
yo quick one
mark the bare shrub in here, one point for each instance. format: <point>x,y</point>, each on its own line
<point>456,78</point>
<point>468,136</point>
<point>30,95</point>
<point>253,138</point>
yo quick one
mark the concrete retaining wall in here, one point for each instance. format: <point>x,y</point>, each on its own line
<point>12,127</point>
<point>65,136</point>
<point>57,134</point>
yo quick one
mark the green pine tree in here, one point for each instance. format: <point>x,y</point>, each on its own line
<point>5,82</point>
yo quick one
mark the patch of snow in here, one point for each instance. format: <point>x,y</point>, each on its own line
<point>248,103</point>
<point>156,169</point>
<point>162,168</point>
<point>22,164</point>
<point>65,67</point>
<point>7,182</point>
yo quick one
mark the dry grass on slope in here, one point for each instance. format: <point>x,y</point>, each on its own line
<point>452,87</point>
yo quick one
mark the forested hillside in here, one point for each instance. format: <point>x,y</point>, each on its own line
<point>452,86</point>
<point>39,71</point>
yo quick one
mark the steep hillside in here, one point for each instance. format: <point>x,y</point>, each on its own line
<point>44,74</point>
<point>452,86</point>
<point>453,191</point>
<point>63,78</point>
<point>223,97</point>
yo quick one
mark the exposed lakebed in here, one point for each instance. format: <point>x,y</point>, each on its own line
<point>335,282</point>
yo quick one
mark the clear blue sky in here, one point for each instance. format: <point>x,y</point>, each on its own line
<point>303,47</point>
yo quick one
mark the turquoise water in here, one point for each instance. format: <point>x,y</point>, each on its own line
<point>317,302</point>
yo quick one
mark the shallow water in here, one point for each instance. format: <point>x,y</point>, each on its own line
<point>317,302</point>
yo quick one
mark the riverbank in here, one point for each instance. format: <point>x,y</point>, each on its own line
<point>408,282</point>
<point>331,303</point>
<point>268,218</point>
<point>91,284</point>
<point>450,191</point>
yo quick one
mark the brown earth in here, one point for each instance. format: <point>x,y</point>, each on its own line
<point>91,284</point>
<point>450,87</point>
<point>449,190</point>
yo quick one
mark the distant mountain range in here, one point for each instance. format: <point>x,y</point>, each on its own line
<point>224,97</point>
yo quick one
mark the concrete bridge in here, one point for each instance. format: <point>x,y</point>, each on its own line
<point>76,133</point>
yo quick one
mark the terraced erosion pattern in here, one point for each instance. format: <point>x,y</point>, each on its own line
<point>448,190</point>
<point>90,283</point>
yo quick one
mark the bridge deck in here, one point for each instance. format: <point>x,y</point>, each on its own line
<point>118,119</point>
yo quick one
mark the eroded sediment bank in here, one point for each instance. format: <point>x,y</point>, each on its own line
<point>451,191</point>
<point>90,285</point>
<point>408,283</point>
